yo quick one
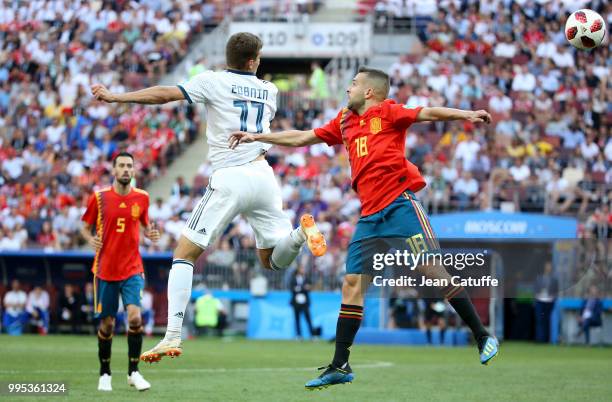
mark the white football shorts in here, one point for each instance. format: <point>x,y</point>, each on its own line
<point>250,190</point>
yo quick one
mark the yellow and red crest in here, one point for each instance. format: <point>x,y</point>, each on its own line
<point>375,125</point>
<point>135,211</point>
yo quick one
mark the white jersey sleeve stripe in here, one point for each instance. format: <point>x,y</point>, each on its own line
<point>185,94</point>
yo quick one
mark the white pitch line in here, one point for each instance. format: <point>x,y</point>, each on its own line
<point>206,370</point>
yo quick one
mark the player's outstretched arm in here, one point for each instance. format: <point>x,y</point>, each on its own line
<point>289,138</point>
<point>149,96</point>
<point>446,114</point>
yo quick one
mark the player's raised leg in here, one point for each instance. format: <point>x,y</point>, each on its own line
<point>287,248</point>
<point>314,238</point>
<point>277,242</point>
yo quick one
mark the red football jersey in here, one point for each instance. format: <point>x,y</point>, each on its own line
<point>376,143</point>
<point>117,219</point>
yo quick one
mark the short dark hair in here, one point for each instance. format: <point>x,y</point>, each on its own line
<point>242,47</point>
<point>379,78</point>
<point>120,154</point>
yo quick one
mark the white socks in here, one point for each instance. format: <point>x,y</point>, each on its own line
<point>287,249</point>
<point>179,293</point>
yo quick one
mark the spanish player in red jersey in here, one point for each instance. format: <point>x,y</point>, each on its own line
<point>116,213</point>
<point>373,129</point>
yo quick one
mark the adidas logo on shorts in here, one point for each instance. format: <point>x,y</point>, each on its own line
<point>179,314</point>
<point>202,231</point>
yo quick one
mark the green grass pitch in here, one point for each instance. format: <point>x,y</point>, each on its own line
<point>243,370</point>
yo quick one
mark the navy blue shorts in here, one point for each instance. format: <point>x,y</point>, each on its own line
<point>404,218</point>
<point>108,293</point>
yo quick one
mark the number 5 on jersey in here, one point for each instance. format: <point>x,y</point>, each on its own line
<point>244,114</point>
<point>120,225</point>
<point>361,144</point>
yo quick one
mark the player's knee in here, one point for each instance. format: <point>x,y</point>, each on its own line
<point>134,322</point>
<point>107,325</point>
<point>351,290</point>
<point>264,257</point>
<point>187,250</point>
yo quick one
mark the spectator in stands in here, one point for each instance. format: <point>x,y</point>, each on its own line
<point>47,110</point>
<point>467,151</point>
<point>20,234</point>
<point>599,223</point>
<point>572,137</point>
<point>500,104</point>
<point>505,47</point>
<point>437,192</point>
<point>160,211</point>
<point>520,171</point>
<point>590,314</point>
<point>589,149</point>
<point>472,90</point>
<point>588,191</point>
<point>173,227</point>
<point>9,241</point>
<point>507,130</point>
<point>572,175</point>
<point>420,151</point>
<point>15,316</point>
<point>70,308</point>
<point>37,307</point>
<point>179,188</point>
<point>223,256</point>
<point>557,189</point>
<point>48,238</point>
<point>465,190</point>
<point>524,80</point>
<point>64,226</point>
<point>562,57</point>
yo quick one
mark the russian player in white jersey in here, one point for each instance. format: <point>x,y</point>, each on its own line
<point>242,182</point>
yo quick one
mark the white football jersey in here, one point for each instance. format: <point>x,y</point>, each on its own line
<point>235,101</point>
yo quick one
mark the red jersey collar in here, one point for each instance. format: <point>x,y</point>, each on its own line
<point>119,195</point>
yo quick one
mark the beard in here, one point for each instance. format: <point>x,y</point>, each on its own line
<point>354,105</point>
<point>124,181</point>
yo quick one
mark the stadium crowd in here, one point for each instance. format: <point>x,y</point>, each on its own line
<point>43,308</point>
<point>272,10</point>
<point>56,142</point>
<point>548,150</point>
